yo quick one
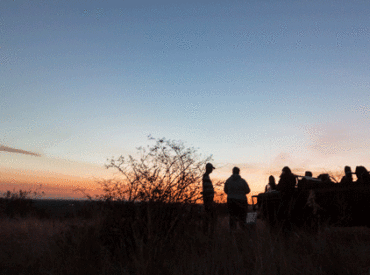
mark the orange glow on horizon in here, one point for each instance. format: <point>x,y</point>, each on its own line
<point>58,185</point>
<point>55,185</point>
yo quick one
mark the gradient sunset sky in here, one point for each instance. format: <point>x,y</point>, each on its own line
<point>257,84</point>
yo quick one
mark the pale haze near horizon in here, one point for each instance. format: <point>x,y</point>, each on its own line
<point>257,84</point>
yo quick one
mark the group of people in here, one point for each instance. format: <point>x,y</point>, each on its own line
<point>286,183</point>
<point>361,173</point>
<point>237,189</point>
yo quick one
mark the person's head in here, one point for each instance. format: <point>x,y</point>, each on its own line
<point>271,179</point>
<point>324,177</point>
<point>308,174</point>
<point>360,170</point>
<point>347,170</point>
<point>286,171</point>
<point>236,171</point>
<point>209,168</point>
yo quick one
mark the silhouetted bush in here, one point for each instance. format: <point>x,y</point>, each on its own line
<point>18,203</point>
<point>167,172</point>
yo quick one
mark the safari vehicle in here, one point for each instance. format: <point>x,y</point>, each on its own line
<point>319,201</point>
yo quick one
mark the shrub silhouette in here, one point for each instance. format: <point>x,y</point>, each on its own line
<point>167,172</point>
<point>18,203</point>
<point>153,200</point>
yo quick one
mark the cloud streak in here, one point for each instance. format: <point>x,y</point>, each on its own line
<point>19,151</point>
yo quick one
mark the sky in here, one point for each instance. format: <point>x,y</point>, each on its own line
<point>256,84</point>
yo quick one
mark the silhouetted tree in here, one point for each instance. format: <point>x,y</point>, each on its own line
<point>167,171</point>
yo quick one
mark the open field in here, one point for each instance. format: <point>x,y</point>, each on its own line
<point>159,240</point>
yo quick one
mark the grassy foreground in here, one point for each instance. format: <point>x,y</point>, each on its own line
<point>163,240</point>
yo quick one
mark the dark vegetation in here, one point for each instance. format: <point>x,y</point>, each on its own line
<point>167,171</point>
<point>158,238</point>
<point>18,203</point>
<point>128,230</point>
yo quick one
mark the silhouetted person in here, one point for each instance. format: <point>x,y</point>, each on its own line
<point>308,175</point>
<point>286,186</point>
<point>236,189</point>
<point>348,175</point>
<point>362,175</point>
<point>271,186</point>
<point>325,178</point>
<point>208,196</point>
<point>287,182</point>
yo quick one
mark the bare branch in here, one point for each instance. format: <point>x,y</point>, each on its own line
<point>167,171</point>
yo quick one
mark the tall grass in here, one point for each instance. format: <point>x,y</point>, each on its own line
<point>162,239</point>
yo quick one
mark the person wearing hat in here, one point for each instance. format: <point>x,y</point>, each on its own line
<point>208,195</point>
<point>236,189</point>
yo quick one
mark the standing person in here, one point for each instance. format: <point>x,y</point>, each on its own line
<point>286,186</point>
<point>236,189</point>
<point>208,195</point>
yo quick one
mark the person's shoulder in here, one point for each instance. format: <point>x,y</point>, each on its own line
<point>230,178</point>
<point>206,176</point>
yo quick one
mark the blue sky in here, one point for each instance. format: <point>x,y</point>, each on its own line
<point>246,81</point>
